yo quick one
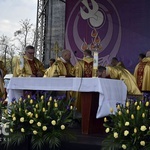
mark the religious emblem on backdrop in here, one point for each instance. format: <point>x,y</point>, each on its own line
<point>90,25</point>
<point>95,43</point>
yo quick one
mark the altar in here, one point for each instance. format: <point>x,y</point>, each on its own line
<point>110,92</point>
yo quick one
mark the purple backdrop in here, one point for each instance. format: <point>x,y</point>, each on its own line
<point>123,27</point>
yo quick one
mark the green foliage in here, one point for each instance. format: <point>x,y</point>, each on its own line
<point>42,121</point>
<point>129,127</point>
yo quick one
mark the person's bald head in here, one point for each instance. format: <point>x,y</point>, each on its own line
<point>66,55</point>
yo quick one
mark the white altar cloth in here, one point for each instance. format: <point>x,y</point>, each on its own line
<point>110,91</point>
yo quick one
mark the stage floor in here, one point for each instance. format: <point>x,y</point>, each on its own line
<point>84,142</point>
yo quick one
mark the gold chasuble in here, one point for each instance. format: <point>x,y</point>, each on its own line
<point>33,67</point>
<point>120,64</point>
<point>30,67</point>
<point>60,67</point>
<point>84,67</point>
<point>118,72</point>
<point>142,74</point>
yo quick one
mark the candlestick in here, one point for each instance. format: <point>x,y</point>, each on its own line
<point>95,63</point>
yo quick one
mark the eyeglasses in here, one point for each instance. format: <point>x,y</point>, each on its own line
<point>30,53</point>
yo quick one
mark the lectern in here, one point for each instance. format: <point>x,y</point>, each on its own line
<point>89,106</point>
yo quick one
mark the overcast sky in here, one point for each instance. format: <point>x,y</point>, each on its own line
<point>13,11</point>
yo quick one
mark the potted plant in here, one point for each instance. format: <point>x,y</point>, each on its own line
<point>129,127</point>
<point>41,121</point>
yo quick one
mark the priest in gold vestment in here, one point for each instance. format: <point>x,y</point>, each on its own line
<point>83,68</point>
<point>142,73</point>
<point>116,62</point>
<point>118,72</point>
<point>28,66</point>
<point>61,67</point>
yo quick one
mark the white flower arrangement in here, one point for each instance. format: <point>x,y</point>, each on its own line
<point>43,119</point>
<point>129,127</point>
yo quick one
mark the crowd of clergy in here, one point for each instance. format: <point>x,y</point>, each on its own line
<point>29,66</point>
